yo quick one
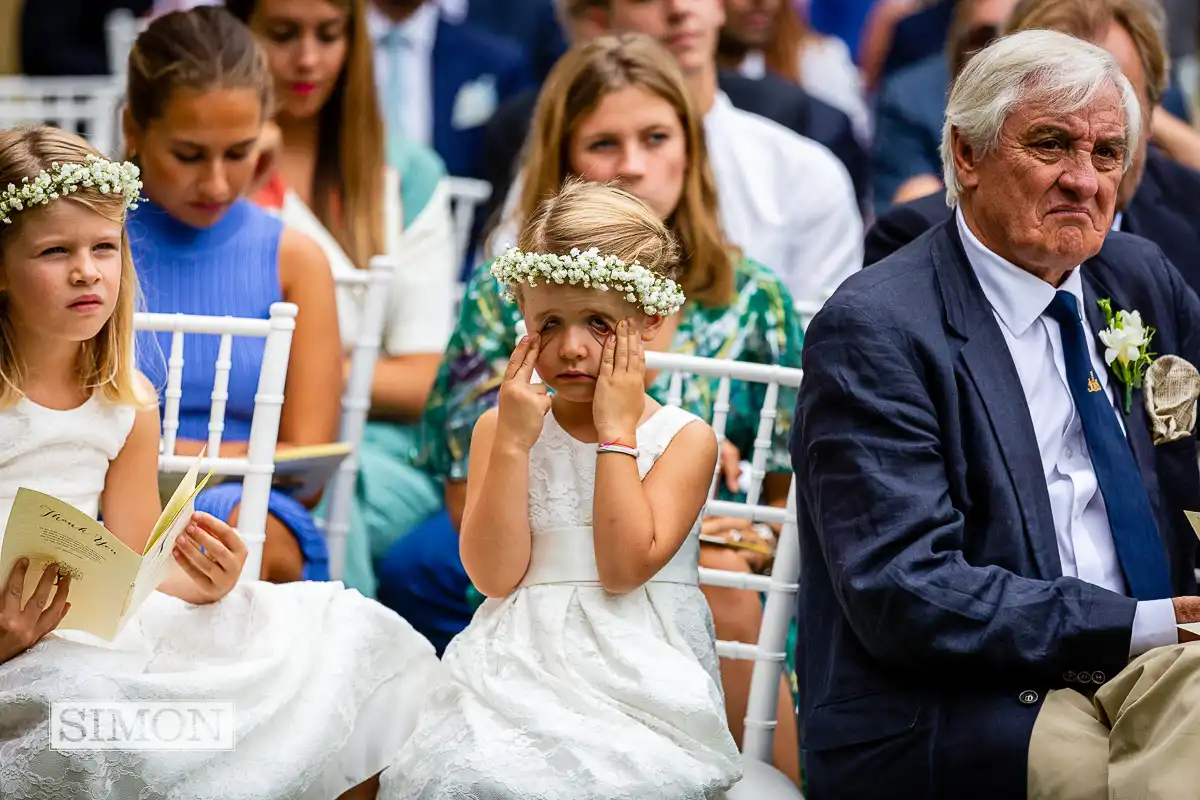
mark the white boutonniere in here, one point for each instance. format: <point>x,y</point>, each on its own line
<point>1127,343</point>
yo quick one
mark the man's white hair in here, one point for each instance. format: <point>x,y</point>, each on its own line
<point>1034,66</point>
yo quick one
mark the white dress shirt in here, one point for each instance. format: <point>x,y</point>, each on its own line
<point>404,70</point>
<point>828,73</point>
<point>785,200</point>
<point>1085,544</point>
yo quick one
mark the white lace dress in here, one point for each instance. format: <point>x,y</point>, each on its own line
<point>325,684</point>
<point>562,691</point>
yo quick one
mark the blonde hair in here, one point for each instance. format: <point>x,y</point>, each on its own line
<point>576,85</point>
<point>106,363</point>
<point>347,194</point>
<point>584,215</point>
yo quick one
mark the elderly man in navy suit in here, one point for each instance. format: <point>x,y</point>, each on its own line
<point>1159,199</point>
<point>992,520</point>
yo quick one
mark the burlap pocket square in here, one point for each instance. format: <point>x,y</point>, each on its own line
<point>1171,386</point>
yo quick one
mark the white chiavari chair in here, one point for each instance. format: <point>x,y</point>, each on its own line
<point>91,103</point>
<point>762,781</point>
<point>87,103</point>
<point>466,195</point>
<point>121,31</point>
<point>372,286</point>
<point>258,467</point>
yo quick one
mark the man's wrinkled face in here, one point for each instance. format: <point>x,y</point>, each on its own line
<point>1044,198</point>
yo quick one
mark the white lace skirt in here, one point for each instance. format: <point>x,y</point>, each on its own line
<point>562,692</point>
<point>326,687</point>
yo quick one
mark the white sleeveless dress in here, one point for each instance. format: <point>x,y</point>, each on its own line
<point>325,683</point>
<point>562,691</point>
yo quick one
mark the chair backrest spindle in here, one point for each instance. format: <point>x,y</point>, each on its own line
<point>258,467</point>
<point>220,393</point>
<point>768,651</point>
<point>173,393</point>
<point>375,283</point>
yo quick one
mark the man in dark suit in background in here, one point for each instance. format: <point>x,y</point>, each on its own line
<point>919,35</point>
<point>441,82</point>
<point>1159,199</point>
<point>991,522</point>
<point>769,97</point>
<point>531,23</point>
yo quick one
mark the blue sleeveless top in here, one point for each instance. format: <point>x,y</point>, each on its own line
<point>230,269</point>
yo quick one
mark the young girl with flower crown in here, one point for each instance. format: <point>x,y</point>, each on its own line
<point>324,683</point>
<point>590,671</point>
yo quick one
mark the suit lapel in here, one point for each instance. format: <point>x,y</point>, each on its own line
<point>988,362</point>
<point>1137,431</point>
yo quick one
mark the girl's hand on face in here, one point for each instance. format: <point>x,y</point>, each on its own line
<point>22,628</point>
<point>621,385</point>
<point>214,571</point>
<point>523,404</point>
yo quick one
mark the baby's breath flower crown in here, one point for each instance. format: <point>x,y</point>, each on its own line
<point>656,295</point>
<point>109,177</point>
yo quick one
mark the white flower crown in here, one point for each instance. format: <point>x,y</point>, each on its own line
<point>109,177</point>
<point>657,296</point>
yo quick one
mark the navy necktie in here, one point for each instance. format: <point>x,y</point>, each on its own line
<point>1130,517</point>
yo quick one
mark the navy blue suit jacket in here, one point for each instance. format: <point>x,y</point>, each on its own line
<point>919,36</point>
<point>463,55</point>
<point>1165,210</point>
<point>934,616</point>
<point>533,24</point>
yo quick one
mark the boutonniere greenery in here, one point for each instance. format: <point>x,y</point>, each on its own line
<point>1127,348</point>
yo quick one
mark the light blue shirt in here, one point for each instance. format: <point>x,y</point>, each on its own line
<point>1085,544</point>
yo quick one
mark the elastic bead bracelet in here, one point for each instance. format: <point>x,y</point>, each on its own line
<point>617,447</point>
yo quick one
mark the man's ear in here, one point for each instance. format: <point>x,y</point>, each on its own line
<point>965,160</point>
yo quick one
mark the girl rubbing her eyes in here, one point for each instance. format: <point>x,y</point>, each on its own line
<point>591,670</point>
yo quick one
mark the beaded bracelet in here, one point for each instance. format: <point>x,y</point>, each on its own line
<point>616,447</point>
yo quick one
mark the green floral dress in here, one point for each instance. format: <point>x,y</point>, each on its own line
<point>760,325</point>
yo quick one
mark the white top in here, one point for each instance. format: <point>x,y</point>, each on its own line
<point>784,199</point>
<point>282,654</point>
<point>828,73</point>
<point>1085,544</point>
<point>161,7</point>
<point>420,307</point>
<point>60,453</point>
<point>404,70</point>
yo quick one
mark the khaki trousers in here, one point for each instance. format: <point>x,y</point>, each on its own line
<point>1138,738</point>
